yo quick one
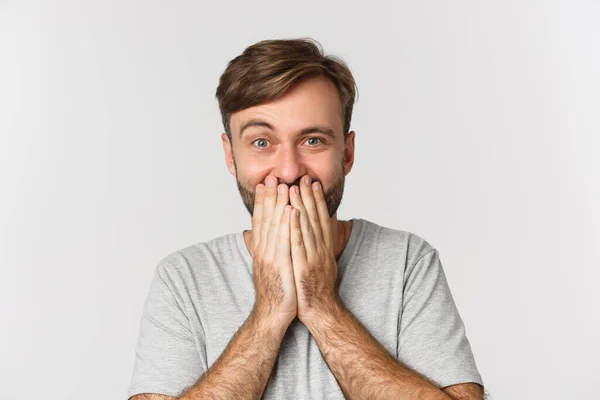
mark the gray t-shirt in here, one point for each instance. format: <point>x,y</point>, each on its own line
<point>391,280</point>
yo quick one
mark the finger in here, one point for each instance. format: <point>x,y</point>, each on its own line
<point>307,235</point>
<point>298,247</point>
<point>282,200</point>
<point>257,214</point>
<point>311,208</point>
<point>323,211</point>
<point>283,252</point>
<point>268,207</point>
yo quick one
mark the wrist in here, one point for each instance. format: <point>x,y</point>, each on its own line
<point>329,310</point>
<point>270,320</point>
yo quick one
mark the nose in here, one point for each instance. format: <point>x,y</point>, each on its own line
<point>289,167</point>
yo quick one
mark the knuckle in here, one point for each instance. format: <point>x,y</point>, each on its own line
<point>299,243</point>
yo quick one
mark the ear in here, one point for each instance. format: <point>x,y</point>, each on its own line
<point>228,150</point>
<point>349,152</point>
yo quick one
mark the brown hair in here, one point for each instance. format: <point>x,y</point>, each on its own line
<point>265,70</point>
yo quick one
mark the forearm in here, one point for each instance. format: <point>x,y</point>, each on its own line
<point>361,365</point>
<point>244,367</point>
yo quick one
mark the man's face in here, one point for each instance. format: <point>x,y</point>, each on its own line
<point>301,133</point>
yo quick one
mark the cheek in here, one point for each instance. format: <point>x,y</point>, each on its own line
<point>328,170</point>
<point>251,169</point>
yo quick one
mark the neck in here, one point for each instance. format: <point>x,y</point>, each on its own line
<point>340,232</point>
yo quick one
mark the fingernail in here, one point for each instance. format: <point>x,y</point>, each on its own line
<point>316,186</point>
<point>270,181</point>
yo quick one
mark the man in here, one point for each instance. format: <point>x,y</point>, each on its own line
<point>303,305</point>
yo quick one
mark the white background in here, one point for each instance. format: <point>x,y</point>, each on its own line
<point>478,128</point>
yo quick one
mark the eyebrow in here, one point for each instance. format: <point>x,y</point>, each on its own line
<point>325,130</point>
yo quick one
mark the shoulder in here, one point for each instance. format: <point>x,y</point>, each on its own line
<point>199,258</point>
<point>411,246</point>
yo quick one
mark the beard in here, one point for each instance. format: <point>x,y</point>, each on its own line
<point>333,195</point>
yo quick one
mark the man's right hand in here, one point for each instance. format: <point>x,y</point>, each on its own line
<point>273,272</point>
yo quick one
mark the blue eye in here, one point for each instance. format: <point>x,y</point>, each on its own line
<point>266,141</point>
<point>259,140</point>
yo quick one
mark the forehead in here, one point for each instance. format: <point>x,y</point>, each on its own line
<point>314,101</point>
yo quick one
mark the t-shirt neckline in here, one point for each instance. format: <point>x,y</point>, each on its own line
<point>345,257</point>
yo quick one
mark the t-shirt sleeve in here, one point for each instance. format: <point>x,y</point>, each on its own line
<point>432,339</point>
<point>168,356</point>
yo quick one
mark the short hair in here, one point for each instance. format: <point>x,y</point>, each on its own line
<point>266,69</point>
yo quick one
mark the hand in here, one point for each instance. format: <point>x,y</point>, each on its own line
<point>313,258</point>
<point>272,265</point>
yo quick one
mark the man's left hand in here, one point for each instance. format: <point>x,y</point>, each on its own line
<point>313,258</point>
